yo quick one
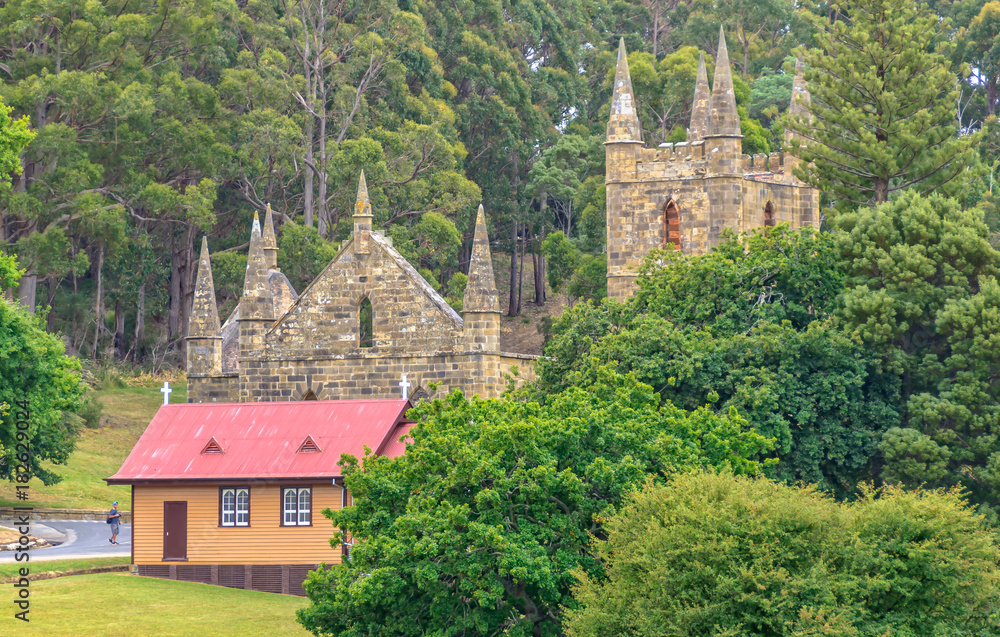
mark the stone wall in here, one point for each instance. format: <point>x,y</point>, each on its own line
<point>794,204</point>
<point>324,322</point>
<point>714,186</point>
<point>224,388</point>
<point>375,375</point>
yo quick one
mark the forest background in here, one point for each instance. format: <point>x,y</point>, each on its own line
<point>158,122</point>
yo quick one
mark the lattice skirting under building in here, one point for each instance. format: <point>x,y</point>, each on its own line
<point>270,578</point>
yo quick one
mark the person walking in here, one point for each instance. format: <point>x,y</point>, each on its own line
<point>114,519</point>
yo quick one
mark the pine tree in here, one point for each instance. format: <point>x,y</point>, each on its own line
<point>883,105</point>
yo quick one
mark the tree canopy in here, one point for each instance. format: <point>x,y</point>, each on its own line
<point>41,386</point>
<point>477,527</point>
<point>750,327</point>
<point>884,92</point>
<point>717,554</point>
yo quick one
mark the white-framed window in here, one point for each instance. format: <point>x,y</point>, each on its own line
<point>234,506</point>
<point>296,506</point>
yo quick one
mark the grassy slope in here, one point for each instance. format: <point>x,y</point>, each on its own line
<point>12,569</point>
<point>99,453</point>
<point>123,604</point>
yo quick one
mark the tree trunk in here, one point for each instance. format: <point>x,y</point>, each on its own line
<point>26,291</point>
<point>321,203</point>
<point>50,318</point>
<point>512,304</point>
<point>187,287</point>
<point>881,188</point>
<point>656,28</point>
<point>99,304</point>
<point>307,199</point>
<point>174,317</point>
<point>520,281</point>
<point>991,96</point>
<point>539,263</point>
<point>119,331</point>
<point>140,322</point>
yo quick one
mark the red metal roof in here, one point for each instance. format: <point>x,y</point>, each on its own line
<point>393,447</point>
<point>261,440</point>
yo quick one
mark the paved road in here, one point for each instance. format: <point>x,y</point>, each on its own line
<point>83,539</point>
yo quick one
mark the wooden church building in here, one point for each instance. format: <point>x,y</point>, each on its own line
<point>232,494</point>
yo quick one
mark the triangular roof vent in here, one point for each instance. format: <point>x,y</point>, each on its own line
<point>213,446</point>
<point>309,446</point>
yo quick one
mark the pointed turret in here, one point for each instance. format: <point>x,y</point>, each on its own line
<point>362,207</point>
<point>725,119</point>
<point>623,125</point>
<point>799,107</point>
<point>269,241</point>
<point>256,302</point>
<point>362,218</point>
<point>798,110</point>
<point>481,290</point>
<point>204,337</point>
<point>204,321</point>
<point>701,106</point>
<point>480,305</point>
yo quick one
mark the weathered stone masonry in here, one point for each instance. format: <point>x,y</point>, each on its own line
<point>278,345</point>
<point>685,194</point>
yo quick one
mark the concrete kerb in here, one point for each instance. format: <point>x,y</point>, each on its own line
<point>10,513</point>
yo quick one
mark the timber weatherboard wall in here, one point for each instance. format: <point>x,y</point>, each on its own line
<point>265,541</point>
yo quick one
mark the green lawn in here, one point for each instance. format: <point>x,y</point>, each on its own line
<point>9,570</point>
<point>99,453</point>
<point>123,604</point>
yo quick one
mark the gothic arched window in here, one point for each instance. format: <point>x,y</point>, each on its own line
<point>365,316</point>
<point>672,225</point>
<point>310,395</point>
<point>768,215</point>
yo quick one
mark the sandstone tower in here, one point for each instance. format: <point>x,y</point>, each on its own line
<point>683,195</point>
<point>366,320</point>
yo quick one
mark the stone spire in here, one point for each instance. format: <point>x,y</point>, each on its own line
<point>256,303</point>
<point>481,289</point>
<point>623,125</point>
<point>362,218</point>
<point>270,243</point>
<point>204,338</point>
<point>799,107</point>
<point>701,106</point>
<point>204,321</point>
<point>363,207</point>
<point>725,119</point>
<point>798,110</point>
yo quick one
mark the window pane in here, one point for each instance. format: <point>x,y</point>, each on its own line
<point>304,511</point>
<point>242,507</point>
<point>290,508</point>
<point>228,507</point>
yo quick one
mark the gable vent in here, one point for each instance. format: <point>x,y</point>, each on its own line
<point>308,446</point>
<point>213,447</point>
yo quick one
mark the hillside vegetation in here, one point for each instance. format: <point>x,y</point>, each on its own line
<point>99,453</point>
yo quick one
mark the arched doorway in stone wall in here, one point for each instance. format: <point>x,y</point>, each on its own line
<point>672,225</point>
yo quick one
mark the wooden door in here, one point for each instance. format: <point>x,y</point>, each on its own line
<point>175,530</point>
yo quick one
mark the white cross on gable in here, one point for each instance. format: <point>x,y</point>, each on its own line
<point>166,393</point>
<point>405,386</point>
